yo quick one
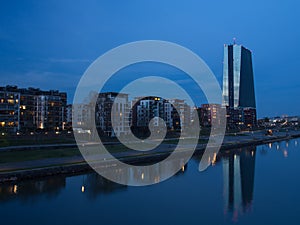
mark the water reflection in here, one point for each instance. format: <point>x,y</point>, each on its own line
<point>238,168</point>
<point>91,184</point>
<point>234,194</point>
<point>29,191</point>
<point>282,147</point>
<point>238,179</point>
<point>145,175</point>
<point>238,182</point>
<point>94,185</point>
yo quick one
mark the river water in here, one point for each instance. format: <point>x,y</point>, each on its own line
<point>253,185</point>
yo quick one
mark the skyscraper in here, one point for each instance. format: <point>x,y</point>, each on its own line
<point>238,83</point>
<point>238,87</point>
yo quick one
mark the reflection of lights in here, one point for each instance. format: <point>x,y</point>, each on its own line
<point>82,188</point>
<point>287,144</point>
<point>277,147</point>
<point>296,143</point>
<point>142,176</point>
<point>285,153</point>
<point>214,159</point>
<point>182,168</point>
<point>234,156</point>
<point>270,145</point>
<point>31,133</point>
<point>156,179</point>
<point>15,189</point>
<point>252,153</point>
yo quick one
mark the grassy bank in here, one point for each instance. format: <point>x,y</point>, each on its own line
<point>36,139</point>
<point>28,155</point>
<point>37,154</point>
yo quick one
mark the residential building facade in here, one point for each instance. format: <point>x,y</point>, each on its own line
<point>181,114</point>
<point>144,109</point>
<point>210,113</point>
<point>31,109</point>
<point>9,110</point>
<point>106,114</point>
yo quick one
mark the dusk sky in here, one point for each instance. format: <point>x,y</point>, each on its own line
<point>49,44</point>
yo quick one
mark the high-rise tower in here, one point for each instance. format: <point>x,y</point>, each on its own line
<point>238,83</point>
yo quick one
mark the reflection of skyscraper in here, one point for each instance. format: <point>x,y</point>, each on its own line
<point>238,172</point>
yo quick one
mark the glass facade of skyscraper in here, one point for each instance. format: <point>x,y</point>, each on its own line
<point>238,83</point>
<point>238,86</point>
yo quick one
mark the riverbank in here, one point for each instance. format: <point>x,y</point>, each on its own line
<point>12,172</point>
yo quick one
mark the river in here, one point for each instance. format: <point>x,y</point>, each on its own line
<point>253,185</point>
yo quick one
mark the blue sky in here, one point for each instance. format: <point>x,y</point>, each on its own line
<point>49,44</point>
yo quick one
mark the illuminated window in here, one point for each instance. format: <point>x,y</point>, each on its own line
<point>2,124</point>
<point>11,101</point>
<point>11,124</point>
